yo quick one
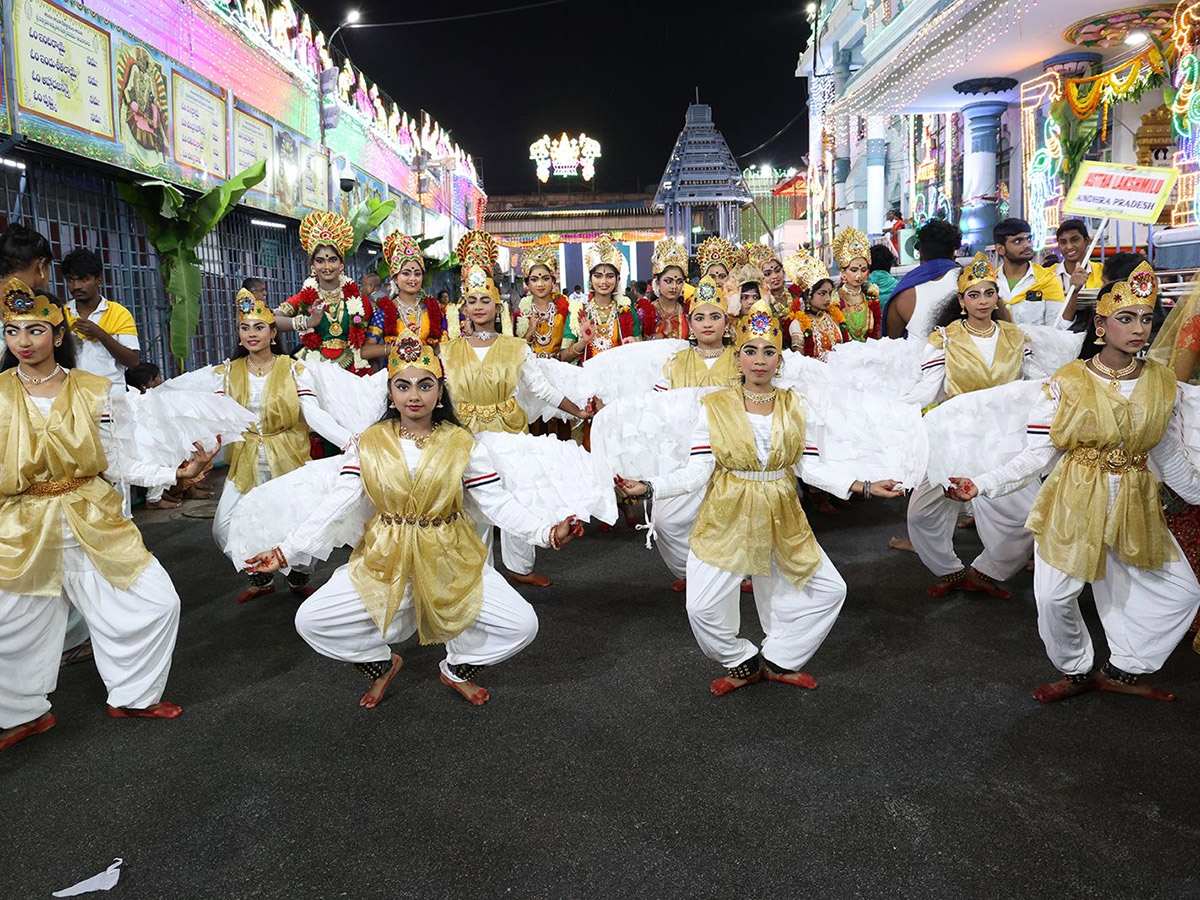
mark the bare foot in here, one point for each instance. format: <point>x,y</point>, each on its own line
<point>374,694</point>
<point>533,579</point>
<point>160,710</point>
<point>10,736</point>
<point>251,593</point>
<point>747,585</point>
<point>1141,689</point>
<point>196,492</point>
<point>727,684</point>
<point>799,679</point>
<point>902,543</point>
<point>472,692</point>
<point>1053,691</point>
<point>164,503</point>
<point>679,585</point>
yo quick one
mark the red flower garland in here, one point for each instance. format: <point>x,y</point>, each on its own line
<point>434,310</point>
<point>311,340</point>
<point>391,315</point>
<point>648,315</point>
<point>626,320</point>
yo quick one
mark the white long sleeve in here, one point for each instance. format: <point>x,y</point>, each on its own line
<point>534,380</point>
<point>1038,456</point>
<point>347,491</point>
<point>498,504</point>
<point>932,380</point>
<point>1175,468</point>
<point>698,470</point>
<point>315,416</point>
<point>123,467</point>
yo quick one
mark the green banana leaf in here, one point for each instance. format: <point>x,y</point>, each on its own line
<point>366,217</point>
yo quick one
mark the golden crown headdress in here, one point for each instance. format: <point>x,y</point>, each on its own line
<point>407,352</point>
<point>979,269</point>
<point>251,309</point>
<point>603,252</point>
<point>712,250</point>
<point>668,253</point>
<point>1140,289</point>
<point>321,228</point>
<point>739,255</point>
<point>540,255</point>
<point>746,273</point>
<point>804,270</point>
<point>758,254</point>
<point>400,248</point>
<point>477,248</point>
<point>21,304</point>
<point>760,323</point>
<point>850,244</point>
<point>708,294</point>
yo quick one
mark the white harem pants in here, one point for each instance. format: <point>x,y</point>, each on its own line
<point>673,521</point>
<point>796,621</point>
<point>335,623</point>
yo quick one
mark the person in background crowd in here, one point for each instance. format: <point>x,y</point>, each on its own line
<point>144,376</point>
<point>444,299</point>
<point>577,295</point>
<point>937,242</point>
<point>882,260</point>
<point>257,287</point>
<point>1075,272</point>
<point>1032,293</point>
<point>108,338</point>
<point>371,286</point>
<point>891,230</point>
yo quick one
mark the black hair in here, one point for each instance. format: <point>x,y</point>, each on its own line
<point>446,292</point>
<point>752,284</point>
<point>577,288</point>
<point>20,246</point>
<point>816,284</point>
<point>139,377</point>
<point>336,252</point>
<point>1073,225</point>
<point>1089,348</point>
<point>253,284</point>
<point>64,354</point>
<point>882,258</point>
<point>1120,266</point>
<point>938,239</point>
<point>441,413</point>
<point>81,263</point>
<point>1007,228</point>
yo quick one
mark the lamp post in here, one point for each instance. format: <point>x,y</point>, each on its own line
<point>351,19</point>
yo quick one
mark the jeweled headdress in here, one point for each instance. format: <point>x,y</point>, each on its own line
<point>708,294</point>
<point>758,254</point>
<point>804,270</point>
<point>850,244</point>
<point>979,269</point>
<point>540,255</point>
<point>320,228</point>
<point>477,248</point>
<point>400,248</point>
<point>760,323</point>
<point>713,250</point>
<point>605,252</point>
<point>746,273</point>
<point>251,309</point>
<point>407,352</point>
<point>1140,289</point>
<point>21,304</point>
<point>668,253</point>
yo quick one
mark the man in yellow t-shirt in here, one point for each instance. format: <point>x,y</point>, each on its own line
<point>105,331</point>
<point>1032,293</point>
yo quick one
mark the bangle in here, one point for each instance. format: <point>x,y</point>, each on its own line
<point>649,495</point>
<point>866,490</point>
<point>278,554</point>
<point>554,542</point>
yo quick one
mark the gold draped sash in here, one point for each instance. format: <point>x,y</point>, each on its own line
<point>64,449</point>
<point>741,523</point>
<point>965,369</point>
<point>687,369</point>
<point>419,533</point>
<point>484,390</point>
<point>282,432</point>
<point>1071,516</point>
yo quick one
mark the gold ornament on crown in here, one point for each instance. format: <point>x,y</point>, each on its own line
<point>977,271</point>
<point>21,304</point>
<point>251,309</point>
<point>1140,289</point>
<point>760,323</point>
<point>400,248</point>
<point>804,270</point>
<point>540,255</point>
<point>668,253</point>
<point>326,228</point>
<point>603,252</point>
<point>708,294</point>
<point>758,254</point>
<point>712,250</point>
<point>407,352</point>
<point>850,244</point>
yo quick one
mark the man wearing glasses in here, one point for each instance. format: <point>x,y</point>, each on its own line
<point>1032,293</point>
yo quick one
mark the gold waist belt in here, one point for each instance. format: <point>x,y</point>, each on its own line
<point>1117,461</point>
<point>55,488</point>
<point>251,434</point>
<point>755,475</point>
<point>420,521</point>
<point>486,412</point>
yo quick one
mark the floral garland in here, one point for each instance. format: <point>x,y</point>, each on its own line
<point>357,309</point>
<point>806,328</point>
<point>624,316</point>
<point>525,310</point>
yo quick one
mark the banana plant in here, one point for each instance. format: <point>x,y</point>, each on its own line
<point>175,227</point>
<point>367,216</point>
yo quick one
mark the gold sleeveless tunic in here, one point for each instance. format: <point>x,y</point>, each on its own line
<point>283,433</point>
<point>484,390</point>
<point>419,532</point>
<point>51,469</point>
<point>1104,432</point>
<point>687,369</point>
<point>742,522</point>
<point>965,369</point>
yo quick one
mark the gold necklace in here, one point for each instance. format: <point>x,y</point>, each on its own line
<point>760,398</point>
<point>1113,375</point>
<point>419,439</point>
<point>710,354</point>
<point>260,371</point>
<point>977,332</point>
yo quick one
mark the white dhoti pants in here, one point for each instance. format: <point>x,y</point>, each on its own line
<point>335,623</point>
<point>1000,521</point>
<point>133,636</point>
<point>518,555</point>
<point>796,621</point>
<point>227,505</point>
<point>1144,613</point>
<point>673,521</point>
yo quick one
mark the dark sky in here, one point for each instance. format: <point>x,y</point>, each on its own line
<point>623,71</point>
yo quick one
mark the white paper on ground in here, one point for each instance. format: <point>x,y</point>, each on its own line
<point>102,882</point>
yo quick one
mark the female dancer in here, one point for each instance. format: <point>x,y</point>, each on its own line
<point>821,326</point>
<point>329,313</point>
<point>485,370</point>
<point>279,392</point>
<point>784,298</point>
<point>407,307</point>
<point>1097,518</point>
<point>714,255</point>
<point>542,318</point>
<point>66,541</point>
<point>748,442</point>
<point>420,567</point>
<point>973,350</point>
<point>858,298</point>
<point>606,320</point>
<point>666,316</point>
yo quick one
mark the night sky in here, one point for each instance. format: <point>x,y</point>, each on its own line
<point>498,83</point>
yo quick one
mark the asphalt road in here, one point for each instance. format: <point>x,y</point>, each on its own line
<point>603,768</point>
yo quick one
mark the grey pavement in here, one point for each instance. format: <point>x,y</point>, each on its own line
<point>603,768</point>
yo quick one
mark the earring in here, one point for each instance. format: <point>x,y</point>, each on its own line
<point>962,311</point>
<point>1100,342</point>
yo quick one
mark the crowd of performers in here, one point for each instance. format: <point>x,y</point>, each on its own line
<point>701,409</point>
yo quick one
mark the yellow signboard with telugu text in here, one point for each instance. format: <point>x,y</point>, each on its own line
<point>1116,191</point>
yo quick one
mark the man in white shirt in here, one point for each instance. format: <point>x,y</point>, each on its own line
<point>107,338</point>
<point>1032,293</point>
<point>577,295</point>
